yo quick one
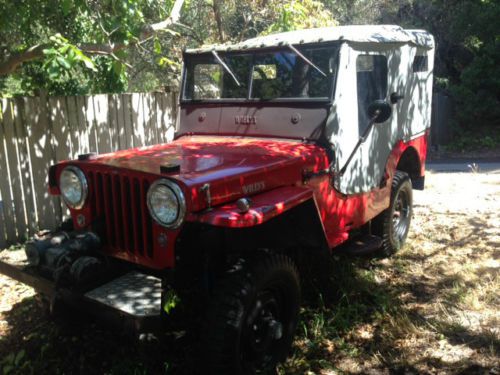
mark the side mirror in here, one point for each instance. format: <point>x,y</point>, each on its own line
<point>379,111</point>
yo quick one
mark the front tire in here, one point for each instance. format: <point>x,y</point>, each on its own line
<point>251,321</point>
<point>393,224</point>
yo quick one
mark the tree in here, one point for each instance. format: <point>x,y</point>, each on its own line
<point>84,46</point>
<point>467,55</point>
<point>59,37</point>
<point>467,49</point>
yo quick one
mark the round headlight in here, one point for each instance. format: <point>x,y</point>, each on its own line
<point>73,186</point>
<point>166,203</point>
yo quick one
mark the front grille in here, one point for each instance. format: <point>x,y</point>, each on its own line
<point>119,204</point>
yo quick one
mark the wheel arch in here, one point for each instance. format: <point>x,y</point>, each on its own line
<point>409,156</point>
<point>297,232</point>
<point>409,162</point>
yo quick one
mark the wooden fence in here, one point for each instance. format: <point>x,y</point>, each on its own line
<point>37,132</point>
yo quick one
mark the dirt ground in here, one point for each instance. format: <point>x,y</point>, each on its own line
<point>434,308</point>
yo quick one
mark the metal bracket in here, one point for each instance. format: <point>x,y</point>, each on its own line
<point>206,190</point>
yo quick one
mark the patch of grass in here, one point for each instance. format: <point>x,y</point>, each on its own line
<point>15,247</point>
<point>467,141</point>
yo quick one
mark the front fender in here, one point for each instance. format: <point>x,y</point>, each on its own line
<point>264,207</point>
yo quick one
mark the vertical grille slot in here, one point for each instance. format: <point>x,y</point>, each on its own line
<point>119,205</point>
<point>148,227</point>
<point>127,214</point>
<point>138,217</point>
<point>117,211</point>
<point>108,208</point>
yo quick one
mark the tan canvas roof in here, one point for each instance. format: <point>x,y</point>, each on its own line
<point>361,34</point>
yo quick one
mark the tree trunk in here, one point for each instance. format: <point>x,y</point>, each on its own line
<point>218,19</point>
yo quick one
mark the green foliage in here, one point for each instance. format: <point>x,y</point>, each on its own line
<point>467,55</point>
<point>60,26</point>
<point>171,301</point>
<point>295,15</point>
<point>477,140</point>
<point>477,91</point>
<point>62,57</point>
<point>14,363</point>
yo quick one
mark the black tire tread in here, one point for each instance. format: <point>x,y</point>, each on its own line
<point>382,223</point>
<point>215,351</point>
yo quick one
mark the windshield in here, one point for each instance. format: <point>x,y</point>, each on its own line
<point>266,75</point>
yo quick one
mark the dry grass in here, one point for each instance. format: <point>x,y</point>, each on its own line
<point>433,308</point>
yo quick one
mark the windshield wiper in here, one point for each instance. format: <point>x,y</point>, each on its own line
<point>305,59</point>
<point>216,55</point>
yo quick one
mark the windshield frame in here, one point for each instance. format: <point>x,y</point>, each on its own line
<point>248,99</point>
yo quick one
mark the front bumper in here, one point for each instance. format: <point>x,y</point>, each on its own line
<point>107,302</point>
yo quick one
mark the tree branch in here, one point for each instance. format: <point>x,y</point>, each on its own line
<point>14,61</point>
<point>218,19</point>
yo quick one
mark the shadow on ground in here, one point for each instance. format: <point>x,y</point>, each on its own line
<point>372,315</point>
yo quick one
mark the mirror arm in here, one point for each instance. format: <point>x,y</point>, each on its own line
<point>360,141</point>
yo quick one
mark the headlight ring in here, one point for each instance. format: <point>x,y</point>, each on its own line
<point>73,186</point>
<point>166,203</point>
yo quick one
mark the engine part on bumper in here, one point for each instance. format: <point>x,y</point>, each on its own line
<point>13,264</point>
<point>86,269</point>
<point>36,248</point>
<point>84,243</point>
<point>66,256</point>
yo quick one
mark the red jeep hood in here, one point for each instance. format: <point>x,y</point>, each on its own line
<point>233,166</point>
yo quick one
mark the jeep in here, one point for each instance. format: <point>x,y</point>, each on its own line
<point>288,148</point>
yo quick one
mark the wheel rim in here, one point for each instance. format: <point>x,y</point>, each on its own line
<point>401,216</point>
<point>262,331</point>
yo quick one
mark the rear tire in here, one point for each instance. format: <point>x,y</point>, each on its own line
<point>252,317</point>
<point>393,224</point>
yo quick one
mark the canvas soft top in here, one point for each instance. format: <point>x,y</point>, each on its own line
<point>361,34</point>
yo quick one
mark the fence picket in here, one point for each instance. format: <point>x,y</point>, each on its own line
<point>61,139</point>
<point>170,115</point>
<point>113,123</point>
<point>120,121</point>
<point>149,125</point>
<point>91,123</point>
<point>11,147</point>
<point>25,166</point>
<point>101,109</point>
<point>128,126</point>
<point>6,202</point>
<point>3,238</point>
<point>48,207</point>
<point>74,129</point>
<point>83,129</point>
<point>138,119</point>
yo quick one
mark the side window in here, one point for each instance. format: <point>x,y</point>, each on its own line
<point>371,77</point>
<point>420,64</point>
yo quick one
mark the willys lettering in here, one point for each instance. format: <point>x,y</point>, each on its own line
<point>245,120</point>
<point>253,188</point>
